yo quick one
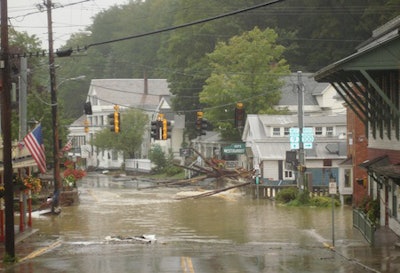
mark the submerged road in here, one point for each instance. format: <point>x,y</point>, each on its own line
<point>226,233</point>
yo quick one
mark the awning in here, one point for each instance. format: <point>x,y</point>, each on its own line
<point>380,169</point>
<point>391,171</point>
<point>376,162</point>
<point>347,162</point>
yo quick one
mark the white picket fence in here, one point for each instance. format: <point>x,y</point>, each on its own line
<point>138,165</point>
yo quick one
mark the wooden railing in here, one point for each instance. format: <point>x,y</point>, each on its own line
<point>364,225</point>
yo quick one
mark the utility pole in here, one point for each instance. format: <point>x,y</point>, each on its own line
<point>54,110</point>
<point>23,80</point>
<point>302,164</point>
<point>6,133</point>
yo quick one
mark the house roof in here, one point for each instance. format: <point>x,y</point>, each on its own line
<point>292,120</point>
<point>312,88</point>
<point>276,150</point>
<point>138,93</point>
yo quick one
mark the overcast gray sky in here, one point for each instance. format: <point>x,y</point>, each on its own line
<point>71,16</point>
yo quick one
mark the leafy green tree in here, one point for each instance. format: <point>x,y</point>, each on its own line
<point>157,156</point>
<point>129,140</point>
<point>248,69</point>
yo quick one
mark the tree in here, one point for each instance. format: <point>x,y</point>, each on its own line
<point>129,140</point>
<point>157,156</point>
<point>247,69</point>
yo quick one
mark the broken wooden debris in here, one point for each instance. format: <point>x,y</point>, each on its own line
<point>217,168</point>
<point>210,193</point>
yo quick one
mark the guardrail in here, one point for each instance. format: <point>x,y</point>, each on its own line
<point>364,225</point>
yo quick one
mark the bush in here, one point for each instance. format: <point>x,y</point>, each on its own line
<point>172,170</point>
<point>323,201</point>
<point>294,197</point>
<point>287,195</point>
<point>371,208</point>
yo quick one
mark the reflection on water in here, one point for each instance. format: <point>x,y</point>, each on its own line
<point>119,207</point>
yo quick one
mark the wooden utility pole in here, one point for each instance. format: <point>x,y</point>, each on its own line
<point>6,133</point>
<point>54,109</point>
<point>301,168</point>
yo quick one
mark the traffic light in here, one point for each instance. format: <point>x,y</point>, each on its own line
<point>86,123</point>
<point>204,126</point>
<point>155,130</point>
<point>114,119</point>
<point>239,115</point>
<point>166,129</point>
<point>201,124</point>
<point>88,108</point>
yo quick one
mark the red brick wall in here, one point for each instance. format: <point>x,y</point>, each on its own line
<point>358,151</point>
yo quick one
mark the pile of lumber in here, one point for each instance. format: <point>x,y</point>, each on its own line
<point>216,168</point>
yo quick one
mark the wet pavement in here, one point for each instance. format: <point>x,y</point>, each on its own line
<point>225,233</point>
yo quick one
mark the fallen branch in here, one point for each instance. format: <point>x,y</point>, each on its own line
<point>214,192</point>
<point>176,182</point>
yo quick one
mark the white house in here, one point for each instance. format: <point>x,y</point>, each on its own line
<point>267,138</point>
<point>148,95</point>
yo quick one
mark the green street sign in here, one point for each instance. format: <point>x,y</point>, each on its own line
<point>234,149</point>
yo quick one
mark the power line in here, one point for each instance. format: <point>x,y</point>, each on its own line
<point>186,24</point>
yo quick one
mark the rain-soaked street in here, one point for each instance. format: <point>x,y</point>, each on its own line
<point>226,233</point>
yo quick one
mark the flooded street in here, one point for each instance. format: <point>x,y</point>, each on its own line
<point>226,233</point>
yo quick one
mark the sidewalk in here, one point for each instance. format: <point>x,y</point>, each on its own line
<point>385,237</point>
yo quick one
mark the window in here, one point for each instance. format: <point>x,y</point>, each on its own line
<point>288,174</point>
<point>286,131</point>
<point>329,131</point>
<point>276,131</point>
<point>327,162</point>
<point>347,178</point>
<point>318,131</point>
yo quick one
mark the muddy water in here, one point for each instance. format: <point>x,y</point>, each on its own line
<point>228,233</point>
<point>118,208</point>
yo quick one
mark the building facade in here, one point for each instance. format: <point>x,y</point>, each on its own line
<point>369,82</point>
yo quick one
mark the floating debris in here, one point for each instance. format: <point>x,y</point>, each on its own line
<point>142,239</point>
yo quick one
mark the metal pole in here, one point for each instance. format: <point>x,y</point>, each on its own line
<point>54,111</point>
<point>300,89</point>
<point>6,132</point>
<point>23,80</point>
<point>333,220</point>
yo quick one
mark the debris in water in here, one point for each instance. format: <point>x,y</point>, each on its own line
<point>142,238</point>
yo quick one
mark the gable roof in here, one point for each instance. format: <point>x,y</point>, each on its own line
<point>292,120</point>
<point>312,88</point>
<point>139,93</point>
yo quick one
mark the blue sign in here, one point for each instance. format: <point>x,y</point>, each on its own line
<point>307,138</point>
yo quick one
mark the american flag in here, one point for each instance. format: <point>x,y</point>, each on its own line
<point>34,143</point>
<point>67,146</point>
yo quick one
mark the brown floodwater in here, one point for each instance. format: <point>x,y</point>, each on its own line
<point>230,232</point>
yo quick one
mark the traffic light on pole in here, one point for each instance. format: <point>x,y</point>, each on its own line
<point>239,115</point>
<point>201,124</point>
<point>86,123</point>
<point>117,122</point>
<point>88,108</point>
<point>114,119</point>
<point>155,130</point>
<point>204,126</point>
<point>166,129</point>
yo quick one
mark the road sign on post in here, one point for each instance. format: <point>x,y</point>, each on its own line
<point>307,138</point>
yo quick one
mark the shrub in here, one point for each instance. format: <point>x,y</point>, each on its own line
<point>287,195</point>
<point>323,201</point>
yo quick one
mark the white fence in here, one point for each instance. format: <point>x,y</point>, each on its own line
<point>138,165</point>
